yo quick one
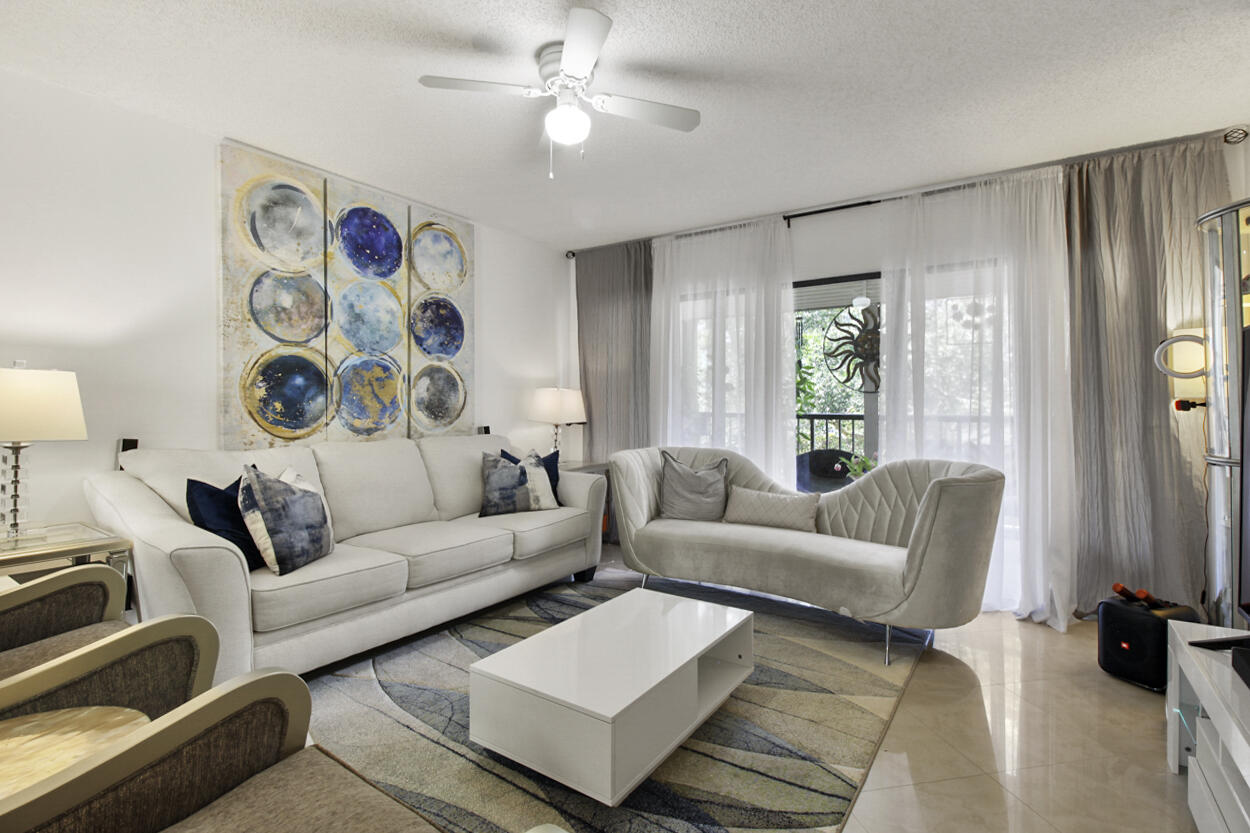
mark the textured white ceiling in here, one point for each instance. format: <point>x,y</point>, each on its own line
<point>804,103</point>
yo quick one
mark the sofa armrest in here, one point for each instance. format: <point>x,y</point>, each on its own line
<point>636,496</point>
<point>180,568</point>
<point>181,762</point>
<point>63,601</point>
<point>583,490</point>
<point>578,489</point>
<point>153,667</point>
<point>948,552</point>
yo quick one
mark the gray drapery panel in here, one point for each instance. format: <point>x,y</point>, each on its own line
<point>1136,273</point>
<point>614,343</point>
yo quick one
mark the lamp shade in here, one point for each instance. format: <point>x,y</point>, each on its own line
<point>40,405</point>
<point>558,406</point>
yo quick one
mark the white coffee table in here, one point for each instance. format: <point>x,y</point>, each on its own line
<point>598,701</point>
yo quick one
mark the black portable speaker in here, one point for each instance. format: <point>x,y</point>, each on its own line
<point>1133,640</point>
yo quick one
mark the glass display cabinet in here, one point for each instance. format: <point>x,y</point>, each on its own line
<point>1225,236</point>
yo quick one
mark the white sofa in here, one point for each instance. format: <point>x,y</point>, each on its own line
<point>909,544</point>
<point>410,552</point>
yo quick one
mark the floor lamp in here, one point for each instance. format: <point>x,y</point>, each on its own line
<point>35,406</point>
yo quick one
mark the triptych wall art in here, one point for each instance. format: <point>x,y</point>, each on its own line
<point>346,311</point>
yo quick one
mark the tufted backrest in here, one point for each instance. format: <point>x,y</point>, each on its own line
<point>881,506</point>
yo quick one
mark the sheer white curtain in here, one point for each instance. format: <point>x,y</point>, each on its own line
<point>975,366</point>
<point>722,343</point>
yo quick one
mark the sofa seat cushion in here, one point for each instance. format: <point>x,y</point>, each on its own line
<point>348,577</point>
<point>25,657</point>
<point>537,532</point>
<point>439,550</point>
<point>841,574</point>
<point>305,792</point>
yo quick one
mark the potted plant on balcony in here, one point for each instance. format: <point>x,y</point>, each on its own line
<point>859,465</point>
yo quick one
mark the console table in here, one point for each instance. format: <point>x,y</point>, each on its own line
<point>1208,726</point>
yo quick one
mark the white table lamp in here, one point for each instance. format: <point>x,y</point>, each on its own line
<point>35,406</point>
<point>558,406</point>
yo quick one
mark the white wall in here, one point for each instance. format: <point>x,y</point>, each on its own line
<point>522,310</point>
<point>109,267</point>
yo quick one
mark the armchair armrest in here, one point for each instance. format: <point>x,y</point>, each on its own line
<point>153,667</point>
<point>181,762</point>
<point>63,601</point>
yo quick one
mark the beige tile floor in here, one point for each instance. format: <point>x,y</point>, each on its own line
<point>1011,727</point>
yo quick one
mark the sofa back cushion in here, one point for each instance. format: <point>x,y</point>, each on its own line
<point>372,486</point>
<point>167,470</point>
<point>455,468</point>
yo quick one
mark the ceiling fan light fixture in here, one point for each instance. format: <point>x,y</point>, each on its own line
<point>566,123</point>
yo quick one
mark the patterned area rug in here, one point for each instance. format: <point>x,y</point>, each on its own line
<point>787,751</point>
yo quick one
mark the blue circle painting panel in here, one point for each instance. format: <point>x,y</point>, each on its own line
<point>437,326</point>
<point>438,397</point>
<point>369,241</point>
<point>438,257</point>
<point>288,308</point>
<point>285,391</point>
<point>369,315</point>
<point>283,221</point>
<point>370,393</point>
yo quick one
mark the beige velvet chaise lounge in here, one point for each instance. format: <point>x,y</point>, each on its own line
<point>908,544</point>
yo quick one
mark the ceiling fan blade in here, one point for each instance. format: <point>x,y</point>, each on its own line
<point>438,82</point>
<point>583,38</point>
<point>665,115</point>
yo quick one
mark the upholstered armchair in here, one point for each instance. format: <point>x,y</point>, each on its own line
<point>58,613</point>
<point>63,644</point>
<point>233,759</point>
<point>908,544</point>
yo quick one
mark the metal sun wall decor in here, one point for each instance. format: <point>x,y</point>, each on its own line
<point>346,311</point>
<point>853,348</point>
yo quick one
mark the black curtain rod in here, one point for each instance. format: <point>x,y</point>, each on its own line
<point>815,211</point>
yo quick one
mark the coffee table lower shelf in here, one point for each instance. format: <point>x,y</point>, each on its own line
<point>607,759</point>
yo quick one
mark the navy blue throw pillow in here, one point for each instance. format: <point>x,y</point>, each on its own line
<point>217,511</point>
<point>551,464</point>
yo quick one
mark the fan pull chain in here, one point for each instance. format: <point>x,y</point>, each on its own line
<point>582,152</point>
<point>551,153</point>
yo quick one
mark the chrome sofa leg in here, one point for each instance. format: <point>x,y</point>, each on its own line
<point>889,631</point>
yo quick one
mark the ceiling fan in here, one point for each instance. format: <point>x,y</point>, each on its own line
<point>566,70</point>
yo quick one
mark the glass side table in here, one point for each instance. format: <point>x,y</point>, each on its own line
<point>75,541</point>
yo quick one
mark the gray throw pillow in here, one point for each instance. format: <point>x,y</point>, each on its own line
<point>515,487</point>
<point>287,517</point>
<point>748,506</point>
<point>689,494</point>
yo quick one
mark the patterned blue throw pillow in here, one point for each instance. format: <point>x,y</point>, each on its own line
<point>515,487</point>
<point>287,517</point>
<point>551,464</point>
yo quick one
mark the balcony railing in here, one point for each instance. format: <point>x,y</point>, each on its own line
<point>819,431</point>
